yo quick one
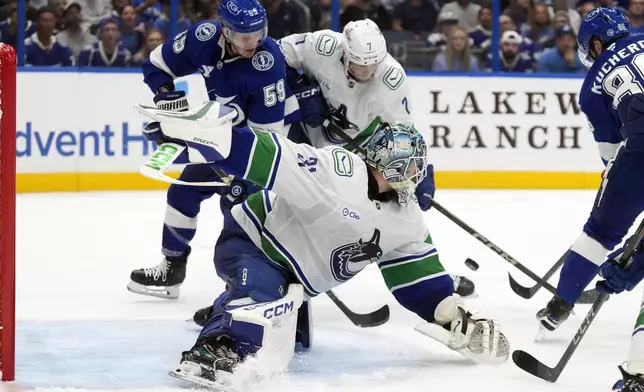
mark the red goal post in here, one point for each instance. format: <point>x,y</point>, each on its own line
<point>7,211</point>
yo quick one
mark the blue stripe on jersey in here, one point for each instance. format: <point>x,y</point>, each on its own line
<point>408,258</point>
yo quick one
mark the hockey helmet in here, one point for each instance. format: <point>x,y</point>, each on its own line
<point>363,48</point>
<point>605,24</point>
<point>244,21</point>
<point>399,152</point>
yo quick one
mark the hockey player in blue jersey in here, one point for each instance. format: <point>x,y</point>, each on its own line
<point>612,97</point>
<point>243,69</point>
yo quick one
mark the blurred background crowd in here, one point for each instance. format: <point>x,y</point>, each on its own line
<point>423,35</point>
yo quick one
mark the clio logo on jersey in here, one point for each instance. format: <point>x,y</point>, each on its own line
<point>350,214</point>
<point>308,93</point>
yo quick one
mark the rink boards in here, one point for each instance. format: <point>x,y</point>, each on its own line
<point>78,131</point>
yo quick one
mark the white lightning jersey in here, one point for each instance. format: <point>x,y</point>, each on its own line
<point>319,54</point>
<point>317,220</point>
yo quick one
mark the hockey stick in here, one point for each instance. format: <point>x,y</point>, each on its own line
<point>529,292</point>
<point>365,320</point>
<point>533,366</point>
<point>587,296</point>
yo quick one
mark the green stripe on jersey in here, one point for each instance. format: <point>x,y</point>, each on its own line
<point>262,161</point>
<point>257,205</point>
<point>401,275</point>
<point>640,319</point>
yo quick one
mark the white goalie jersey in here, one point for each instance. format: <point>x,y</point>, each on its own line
<point>319,55</point>
<point>318,221</point>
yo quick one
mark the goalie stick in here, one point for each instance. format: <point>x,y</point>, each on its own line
<point>530,364</point>
<point>366,320</point>
<point>587,297</point>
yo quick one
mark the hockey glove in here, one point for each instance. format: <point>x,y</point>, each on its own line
<point>173,101</point>
<point>618,279</point>
<point>237,192</point>
<point>426,186</point>
<point>309,96</point>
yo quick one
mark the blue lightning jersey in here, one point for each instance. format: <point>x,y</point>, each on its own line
<point>255,87</point>
<point>617,73</point>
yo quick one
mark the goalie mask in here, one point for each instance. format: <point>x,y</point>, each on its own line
<point>399,152</point>
<point>364,48</point>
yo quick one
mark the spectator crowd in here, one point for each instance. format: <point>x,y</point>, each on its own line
<point>429,35</point>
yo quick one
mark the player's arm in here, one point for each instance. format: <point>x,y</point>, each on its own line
<point>180,56</point>
<point>416,278</point>
<point>604,126</point>
<point>271,105</point>
<point>395,93</point>
<point>297,172</point>
<point>302,50</point>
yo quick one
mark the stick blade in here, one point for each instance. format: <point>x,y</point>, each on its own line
<point>372,319</point>
<point>530,364</point>
<point>522,291</point>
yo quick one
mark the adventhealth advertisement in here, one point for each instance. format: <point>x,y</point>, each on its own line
<point>82,132</point>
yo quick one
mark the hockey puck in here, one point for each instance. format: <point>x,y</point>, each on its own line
<point>471,264</point>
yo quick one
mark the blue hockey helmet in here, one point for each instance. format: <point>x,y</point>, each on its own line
<point>245,23</point>
<point>605,24</point>
<point>399,152</point>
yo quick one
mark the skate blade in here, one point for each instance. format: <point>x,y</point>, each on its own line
<point>169,292</point>
<point>541,333</point>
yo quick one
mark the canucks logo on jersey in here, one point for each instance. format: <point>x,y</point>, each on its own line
<point>347,260</point>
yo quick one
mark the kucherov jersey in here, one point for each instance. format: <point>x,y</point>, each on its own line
<point>255,88</point>
<point>316,219</point>
<point>319,55</point>
<point>618,72</point>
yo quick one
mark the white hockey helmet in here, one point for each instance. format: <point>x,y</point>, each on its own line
<point>363,49</point>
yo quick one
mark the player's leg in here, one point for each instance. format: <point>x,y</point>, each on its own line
<point>257,311</point>
<point>179,228</point>
<point>618,203</point>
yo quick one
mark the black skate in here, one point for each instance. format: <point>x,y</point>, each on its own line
<point>629,382</point>
<point>162,280</point>
<point>463,286</point>
<point>555,313</point>
<point>209,363</point>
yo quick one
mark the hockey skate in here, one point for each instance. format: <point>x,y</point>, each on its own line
<point>209,363</point>
<point>162,280</point>
<point>629,382</point>
<point>555,313</point>
<point>463,286</point>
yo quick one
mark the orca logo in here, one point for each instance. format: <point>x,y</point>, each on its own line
<point>347,260</point>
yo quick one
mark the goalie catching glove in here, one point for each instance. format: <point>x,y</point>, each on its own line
<point>476,338</point>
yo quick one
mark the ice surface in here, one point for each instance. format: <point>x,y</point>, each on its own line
<point>78,327</point>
